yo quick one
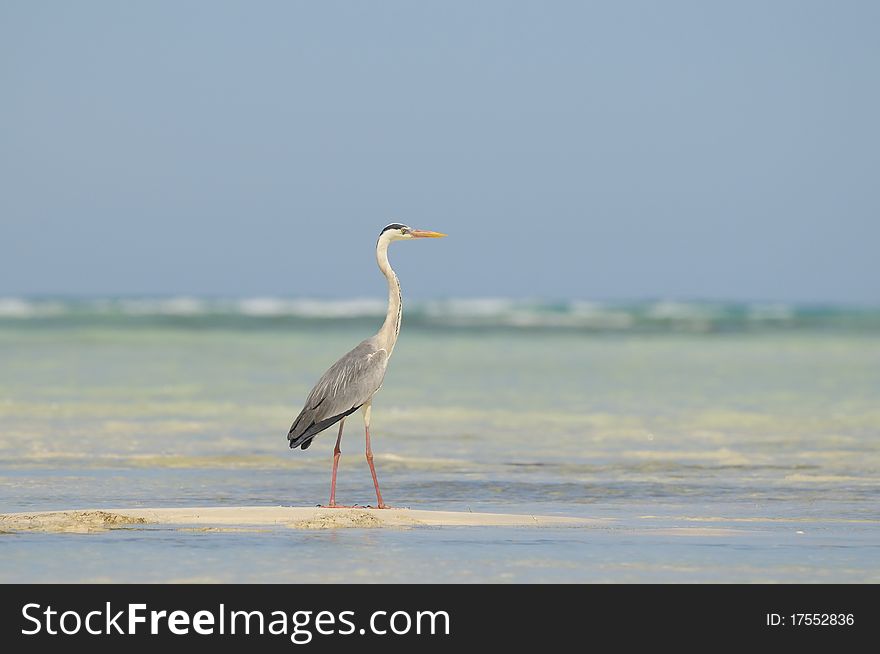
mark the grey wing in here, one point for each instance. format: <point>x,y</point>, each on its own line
<point>349,383</point>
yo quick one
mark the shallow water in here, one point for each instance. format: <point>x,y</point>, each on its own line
<point>749,455</point>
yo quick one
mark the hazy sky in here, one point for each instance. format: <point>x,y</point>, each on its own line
<point>726,150</point>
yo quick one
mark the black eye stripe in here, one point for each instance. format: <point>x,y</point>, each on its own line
<point>394,226</point>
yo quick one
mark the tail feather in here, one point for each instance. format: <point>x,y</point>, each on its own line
<point>304,439</point>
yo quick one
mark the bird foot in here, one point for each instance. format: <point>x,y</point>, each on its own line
<point>355,506</point>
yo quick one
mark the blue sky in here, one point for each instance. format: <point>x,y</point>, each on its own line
<point>589,150</point>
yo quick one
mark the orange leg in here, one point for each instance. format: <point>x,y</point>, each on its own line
<point>373,471</point>
<point>336,453</point>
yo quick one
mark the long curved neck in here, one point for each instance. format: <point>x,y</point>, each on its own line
<point>391,327</point>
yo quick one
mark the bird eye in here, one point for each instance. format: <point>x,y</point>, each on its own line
<point>404,230</point>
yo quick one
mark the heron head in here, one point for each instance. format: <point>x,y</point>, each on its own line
<point>399,232</point>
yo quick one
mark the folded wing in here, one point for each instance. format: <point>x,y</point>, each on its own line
<point>348,384</point>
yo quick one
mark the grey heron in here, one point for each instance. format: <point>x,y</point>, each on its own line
<point>351,382</point>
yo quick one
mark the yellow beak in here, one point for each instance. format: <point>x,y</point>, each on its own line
<point>421,233</point>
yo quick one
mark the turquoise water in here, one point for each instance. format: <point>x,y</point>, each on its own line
<point>720,442</point>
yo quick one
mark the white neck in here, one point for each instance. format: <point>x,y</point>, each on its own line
<point>391,327</point>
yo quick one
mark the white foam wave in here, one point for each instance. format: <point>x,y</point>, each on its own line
<point>522,313</point>
<point>682,311</point>
<point>308,308</point>
<point>13,307</point>
<point>176,306</point>
<point>770,312</point>
<point>472,307</point>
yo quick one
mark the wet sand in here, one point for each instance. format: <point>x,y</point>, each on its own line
<point>294,517</point>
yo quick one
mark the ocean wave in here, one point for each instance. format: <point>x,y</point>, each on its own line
<point>467,313</point>
<point>270,306</point>
<point>13,307</point>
